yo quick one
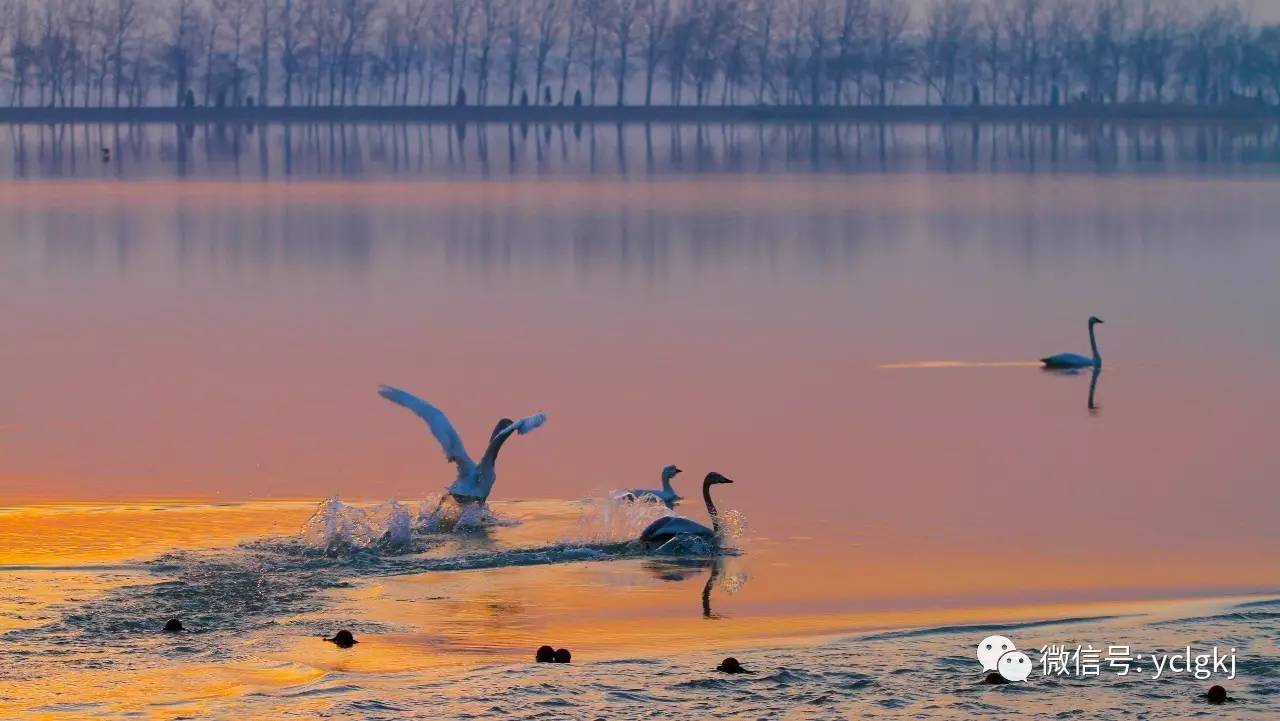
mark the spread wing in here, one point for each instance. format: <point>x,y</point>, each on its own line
<point>436,420</point>
<point>522,426</point>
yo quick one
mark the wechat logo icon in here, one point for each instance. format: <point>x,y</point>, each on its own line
<point>999,654</point>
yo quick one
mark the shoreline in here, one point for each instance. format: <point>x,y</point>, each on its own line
<point>751,114</point>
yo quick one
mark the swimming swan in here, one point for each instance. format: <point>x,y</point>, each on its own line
<point>667,495</point>
<point>475,480</point>
<point>668,527</point>
<point>1072,360</point>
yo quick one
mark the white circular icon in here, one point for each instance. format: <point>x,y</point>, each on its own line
<point>1015,666</point>
<point>991,649</point>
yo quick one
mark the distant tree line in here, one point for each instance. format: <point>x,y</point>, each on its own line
<point>128,53</point>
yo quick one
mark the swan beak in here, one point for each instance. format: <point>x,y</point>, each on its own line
<point>726,480</point>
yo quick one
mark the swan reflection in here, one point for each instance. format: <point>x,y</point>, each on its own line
<point>1095,372</point>
<point>1093,390</point>
<point>679,570</point>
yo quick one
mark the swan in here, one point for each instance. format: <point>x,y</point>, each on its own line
<point>668,527</point>
<point>1072,360</point>
<point>475,480</point>
<point>667,495</point>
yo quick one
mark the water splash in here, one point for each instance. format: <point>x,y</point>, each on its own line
<point>337,528</point>
<point>612,519</point>
<point>443,514</point>
<point>733,523</point>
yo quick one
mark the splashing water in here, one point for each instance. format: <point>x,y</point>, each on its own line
<point>443,514</point>
<point>337,528</point>
<point>395,523</point>
<point>733,524</point>
<point>611,518</point>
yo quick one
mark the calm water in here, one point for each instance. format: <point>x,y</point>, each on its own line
<point>845,320</point>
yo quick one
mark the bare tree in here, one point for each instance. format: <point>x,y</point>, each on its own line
<point>948,32</point>
<point>991,49</point>
<point>624,17</point>
<point>547,16</point>
<point>354,24</point>
<point>1022,24</point>
<point>596,16</point>
<point>890,53</point>
<point>290,33</point>
<point>712,25</point>
<point>817,21</point>
<point>1267,49</point>
<point>655,19</point>
<point>854,16</point>
<point>683,29</point>
<point>515,27</point>
<point>571,41</point>
<point>489,29</point>
<point>761,20</point>
<point>267,14</point>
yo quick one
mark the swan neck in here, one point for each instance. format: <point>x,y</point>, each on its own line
<point>1093,342</point>
<point>711,508</point>
<point>666,483</point>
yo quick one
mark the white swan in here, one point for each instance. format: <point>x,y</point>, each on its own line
<point>668,527</point>
<point>1072,360</point>
<point>667,495</point>
<point>475,480</point>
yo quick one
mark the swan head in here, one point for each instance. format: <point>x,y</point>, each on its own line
<point>670,472</point>
<point>503,425</point>
<point>1094,320</point>
<point>714,478</point>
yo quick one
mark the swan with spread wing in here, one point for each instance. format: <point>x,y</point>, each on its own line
<point>475,480</point>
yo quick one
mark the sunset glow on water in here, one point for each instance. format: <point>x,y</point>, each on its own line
<point>192,368</point>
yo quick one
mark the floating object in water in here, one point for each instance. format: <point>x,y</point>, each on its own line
<point>545,654</point>
<point>173,625</point>
<point>668,527</point>
<point>106,155</point>
<point>731,665</point>
<point>562,655</point>
<point>1073,360</point>
<point>995,679</point>
<point>667,495</point>
<point>343,639</point>
<point>475,480</point>
<point>1216,694</point>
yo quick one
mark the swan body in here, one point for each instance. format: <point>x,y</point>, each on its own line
<point>667,495</point>
<point>475,480</point>
<point>668,527</point>
<point>1074,360</point>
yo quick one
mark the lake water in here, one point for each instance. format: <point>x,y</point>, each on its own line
<point>843,319</point>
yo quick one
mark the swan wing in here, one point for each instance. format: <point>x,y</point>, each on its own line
<point>525,425</point>
<point>1066,360</point>
<point>436,420</point>
<point>675,526</point>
